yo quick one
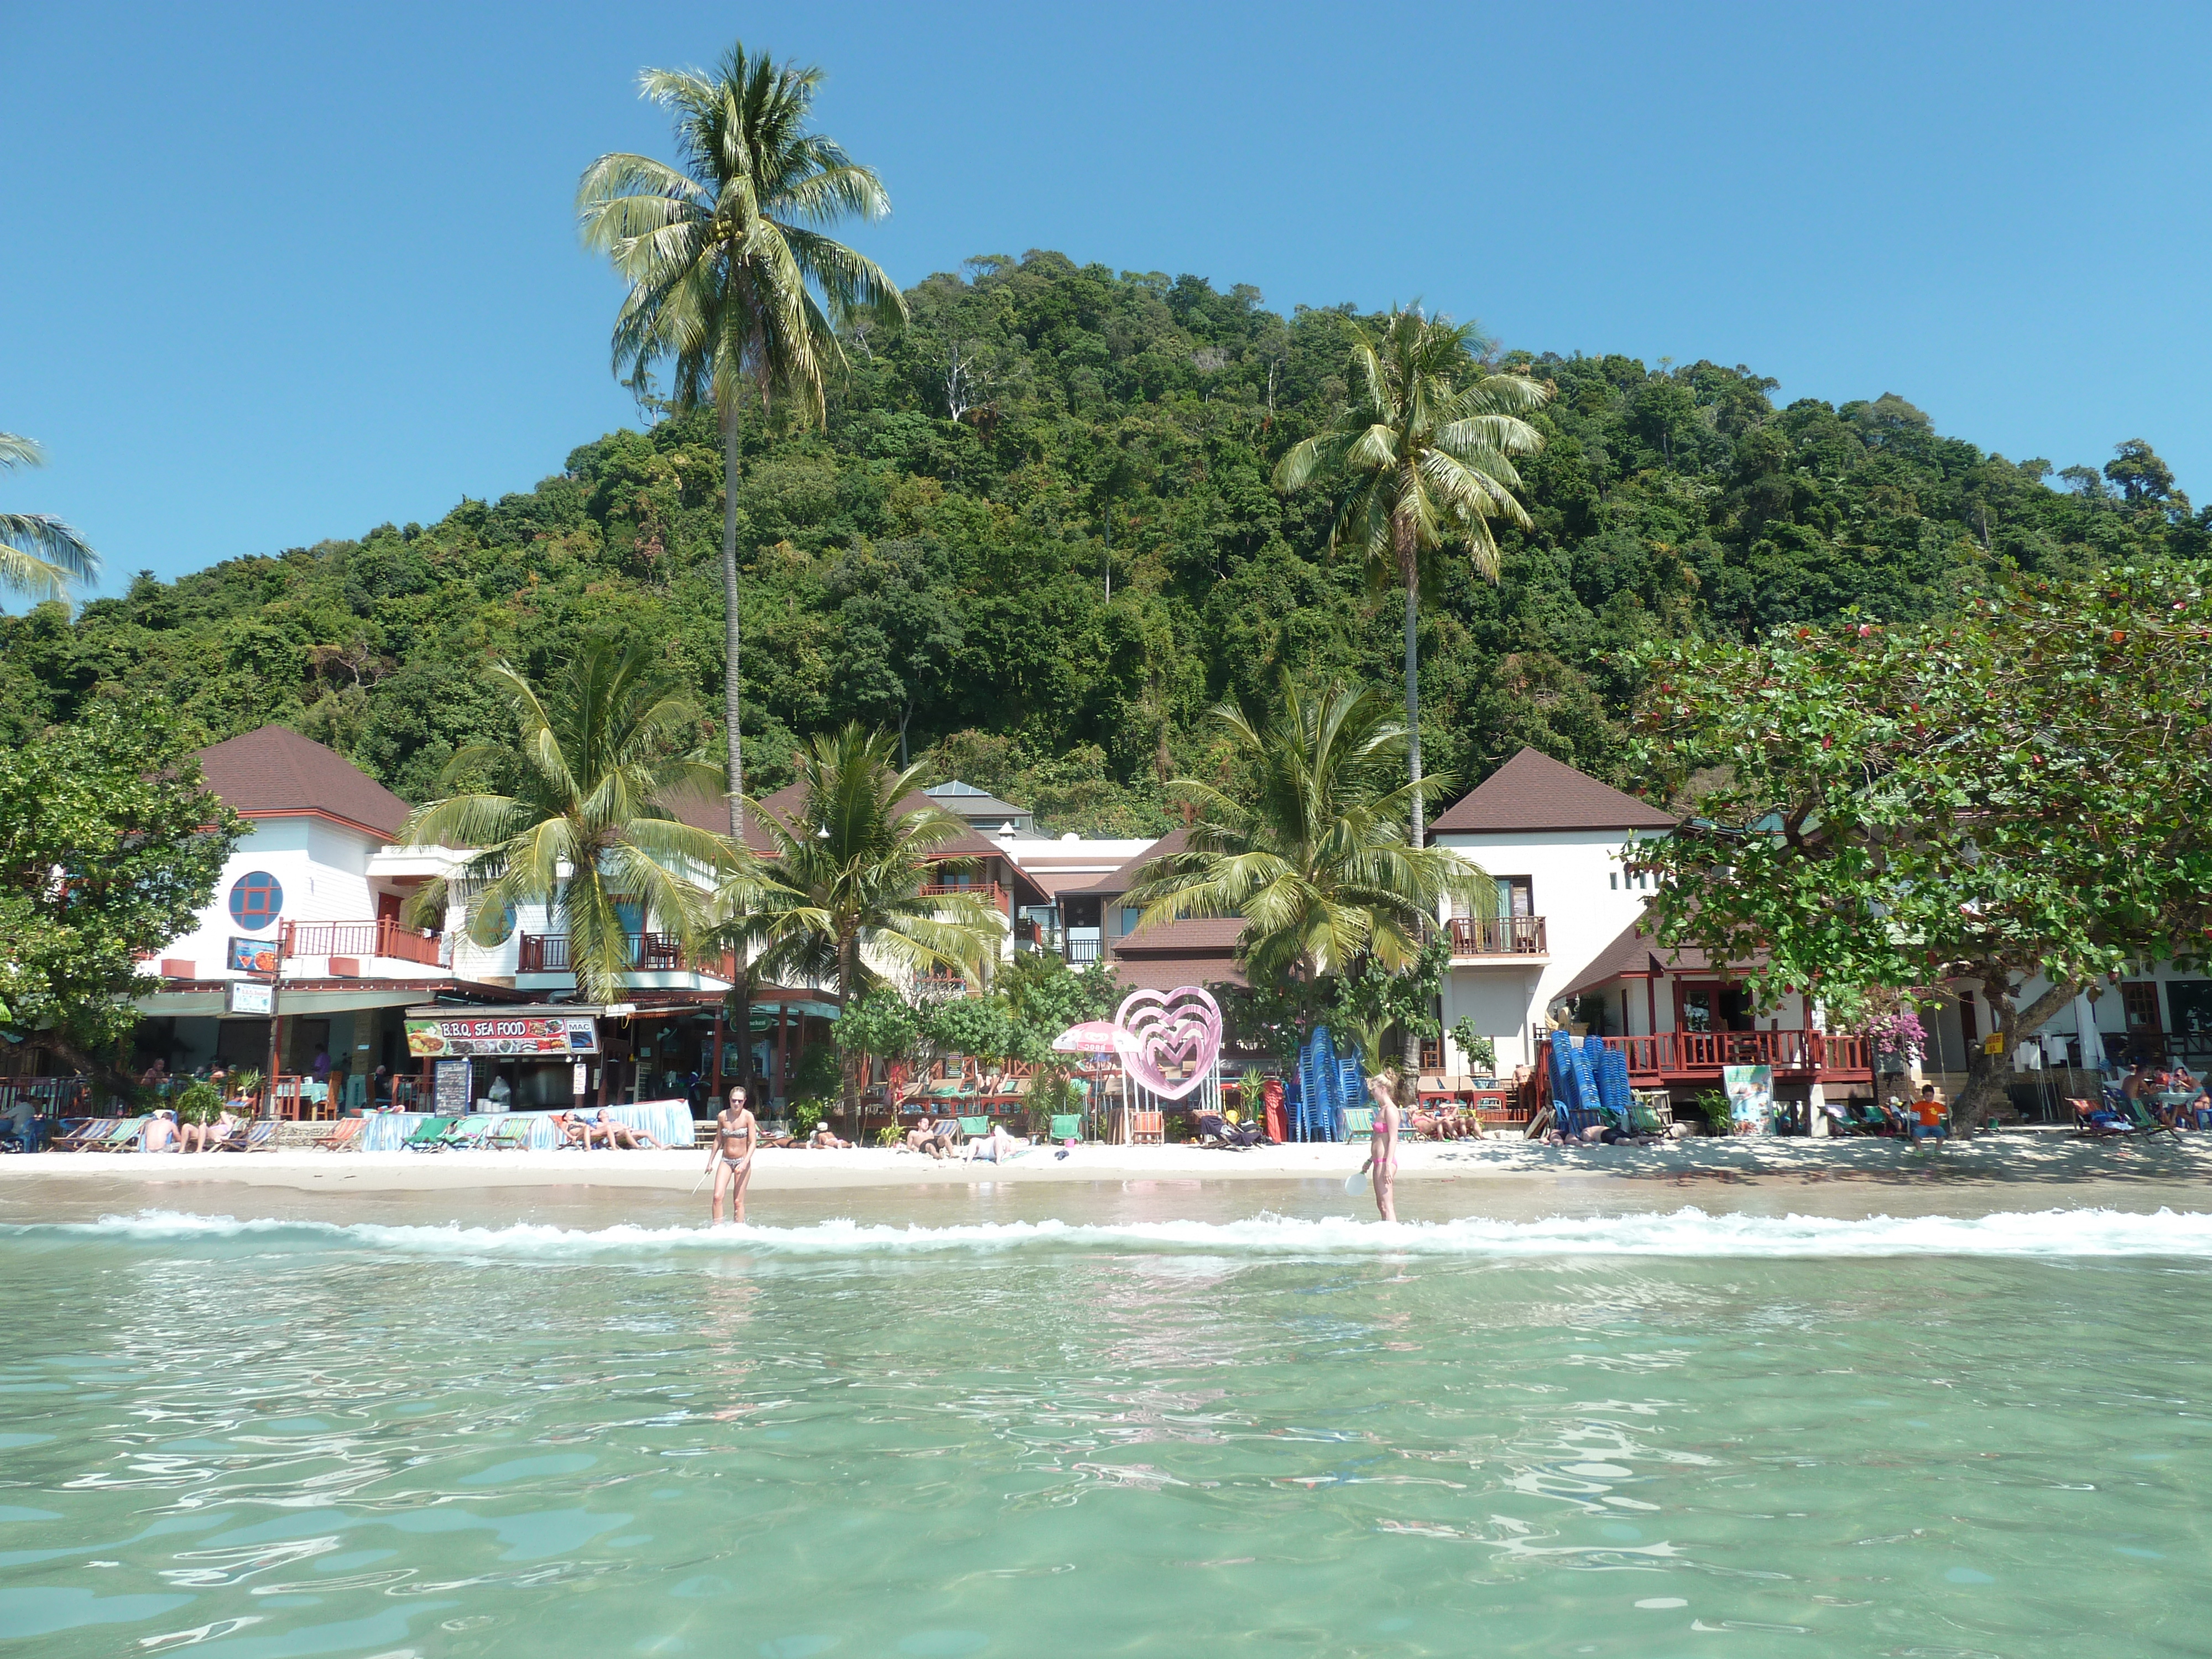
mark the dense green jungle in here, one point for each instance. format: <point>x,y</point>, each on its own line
<point>1038,539</point>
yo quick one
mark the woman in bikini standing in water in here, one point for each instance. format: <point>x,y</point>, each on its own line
<point>1382,1089</point>
<point>731,1155</point>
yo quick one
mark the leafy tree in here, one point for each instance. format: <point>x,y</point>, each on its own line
<point>39,554</point>
<point>880,1024</point>
<point>1429,439</point>
<point>110,847</point>
<point>727,280</point>
<point>838,902</point>
<point>1311,850</point>
<point>2020,791</point>
<point>585,827</point>
<point>897,637</point>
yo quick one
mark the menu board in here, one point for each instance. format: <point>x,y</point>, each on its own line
<point>450,1094</point>
<point>252,956</point>
<point>527,1034</point>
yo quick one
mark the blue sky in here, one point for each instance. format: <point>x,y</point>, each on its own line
<point>280,274</point>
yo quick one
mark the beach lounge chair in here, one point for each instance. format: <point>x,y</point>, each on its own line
<point>429,1135</point>
<point>2138,1116</point>
<point>260,1136</point>
<point>1147,1128</point>
<point>1066,1126</point>
<point>342,1134</point>
<point>77,1134</point>
<point>1360,1123</point>
<point>510,1133</point>
<point>125,1137</point>
<point>974,1128</point>
<point>1645,1120</point>
<point>466,1133</point>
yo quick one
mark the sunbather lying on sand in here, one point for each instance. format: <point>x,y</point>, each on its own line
<point>206,1137</point>
<point>823,1138</point>
<point>621,1135</point>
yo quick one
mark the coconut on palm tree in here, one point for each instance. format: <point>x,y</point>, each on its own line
<point>1426,445</point>
<point>730,280</point>
<point>837,902</point>
<point>38,554</point>
<point>1314,853</point>
<point>585,827</point>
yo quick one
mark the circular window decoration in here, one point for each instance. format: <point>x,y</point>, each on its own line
<point>255,899</point>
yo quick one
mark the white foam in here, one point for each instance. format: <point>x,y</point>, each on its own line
<point>1684,1232</point>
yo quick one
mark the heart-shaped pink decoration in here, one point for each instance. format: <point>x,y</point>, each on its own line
<point>1167,1040</point>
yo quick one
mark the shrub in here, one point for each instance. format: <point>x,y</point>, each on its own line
<point>199,1103</point>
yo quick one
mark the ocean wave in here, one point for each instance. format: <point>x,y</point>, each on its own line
<point>1685,1232</point>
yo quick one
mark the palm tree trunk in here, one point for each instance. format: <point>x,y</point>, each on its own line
<point>1409,573</point>
<point>730,620</point>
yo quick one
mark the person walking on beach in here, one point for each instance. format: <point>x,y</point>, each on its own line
<point>1383,1090</point>
<point>730,1156</point>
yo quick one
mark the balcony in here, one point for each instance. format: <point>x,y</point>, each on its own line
<point>1698,1056</point>
<point>1498,936</point>
<point>1082,952</point>
<point>647,953</point>
<point>987,892</point>
<point>382,937</point>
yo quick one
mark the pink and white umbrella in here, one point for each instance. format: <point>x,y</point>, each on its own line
<point>1093,1037</point>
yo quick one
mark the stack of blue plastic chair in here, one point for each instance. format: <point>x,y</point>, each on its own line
<point>1611,1067</point>
<point>1317,1118</point>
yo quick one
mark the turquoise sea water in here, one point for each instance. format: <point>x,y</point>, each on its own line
<point>1622,1433</point>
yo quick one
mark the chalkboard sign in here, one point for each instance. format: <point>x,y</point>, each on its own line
<point>450,1094</point>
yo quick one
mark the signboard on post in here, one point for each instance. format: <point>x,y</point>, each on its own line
<point>249,998</point>
<point>450,1092</point>
<point>550,1036</point>
<point>252,956</point>
<point>1751,1098</point>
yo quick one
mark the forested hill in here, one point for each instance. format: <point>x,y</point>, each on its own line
<point>942,556</point>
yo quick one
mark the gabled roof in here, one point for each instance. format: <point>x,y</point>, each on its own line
<point>1125,877</point>
<point>1532,791</point>
<point>1636,954</point>
<point>1191,936</point>
<point>274,772</point>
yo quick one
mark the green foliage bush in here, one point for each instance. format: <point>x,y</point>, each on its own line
<point>199,1103</point>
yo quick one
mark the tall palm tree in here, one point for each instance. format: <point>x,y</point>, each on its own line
<point>1317,859</point>
<point>1426,445</point>
<point>839,899</point>
<point>727,278</point>
<point>586,831</point>
<point>38,554</point>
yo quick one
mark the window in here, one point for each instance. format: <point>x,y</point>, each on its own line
<point>2139,1001</point>
<point>1129,914</point>
<point>1516,896</point>
<point>255,900</point>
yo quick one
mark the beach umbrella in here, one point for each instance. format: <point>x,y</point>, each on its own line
<point>1093,1037</point>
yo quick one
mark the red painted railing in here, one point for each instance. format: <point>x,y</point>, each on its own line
<point>1696,1054</point>
<point>1498,936</point>
<point>381,937</point>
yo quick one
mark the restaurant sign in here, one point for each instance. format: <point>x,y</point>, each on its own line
<point>527,1034</point>
<point>252,956</point>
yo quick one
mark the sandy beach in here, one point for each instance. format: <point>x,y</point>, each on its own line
<point>2007,1159</point>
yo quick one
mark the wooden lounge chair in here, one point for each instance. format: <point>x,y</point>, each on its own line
<point>974,1128</point>
<point>77,1134</point>
<point>1360,1123</point>
<point>1147,1128</point>
<point>2139,1117</point>
<point>260,1136</point>
<point>1066,1126</point>
<point>1643,1120</point>
<point>510,1134</point>
<point>124,1137</point>
<point>466,1133</point>
<point>342,1134</point>
<point>429,1135</point>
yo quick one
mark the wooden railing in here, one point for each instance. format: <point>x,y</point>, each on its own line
<point>647,953</point>
<point>987,892</point>
<point>1498,936</point>
<point>1697,1054</point>
<point>381,937</point>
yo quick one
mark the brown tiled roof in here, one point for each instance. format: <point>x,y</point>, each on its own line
<point>1532,791</point>
<point>1192,933</point>
<point>1166,973</point>
<point>1125,877</point>
<point>274,772</point>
